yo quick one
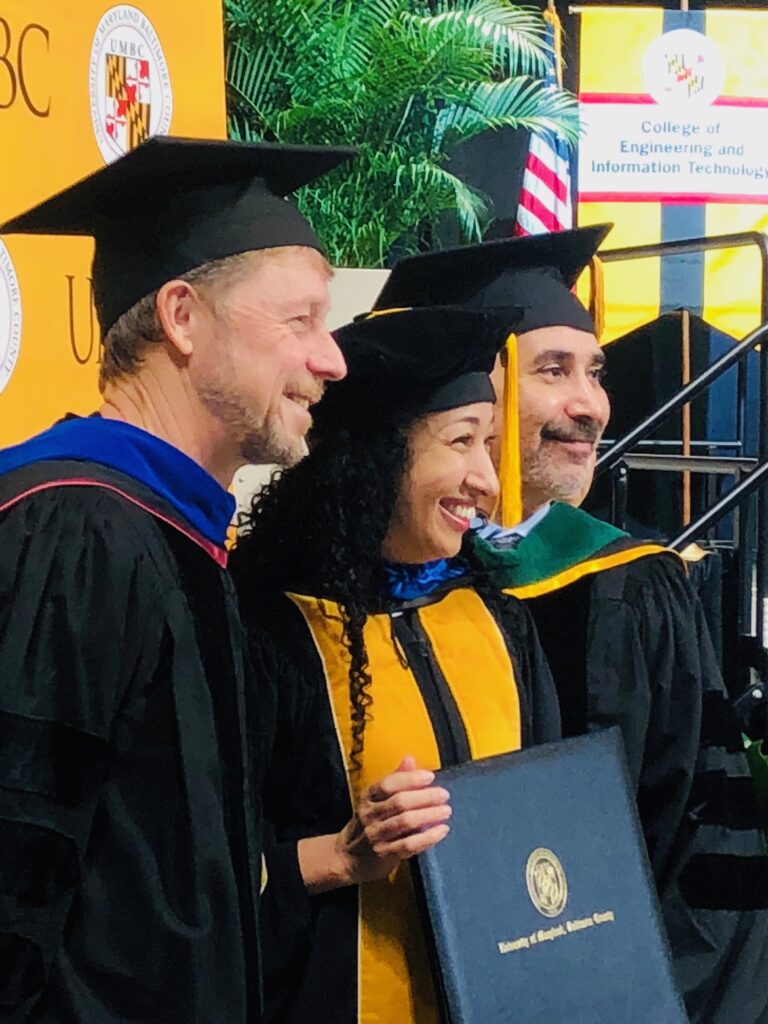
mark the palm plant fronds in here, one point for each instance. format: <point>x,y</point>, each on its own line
<point>514,103</point>
<point>516,36</point>
<point>471,208</point>
<point>405,81</point>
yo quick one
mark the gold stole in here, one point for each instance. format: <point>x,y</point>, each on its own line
<point>394,984</point>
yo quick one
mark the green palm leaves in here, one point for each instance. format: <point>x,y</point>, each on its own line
<point>404,80</point>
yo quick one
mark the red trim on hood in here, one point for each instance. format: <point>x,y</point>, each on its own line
<point>218,554</point>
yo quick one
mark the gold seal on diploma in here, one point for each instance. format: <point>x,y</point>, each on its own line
<point>547,884</point>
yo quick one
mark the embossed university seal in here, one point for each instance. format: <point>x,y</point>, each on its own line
<point>546,881</point>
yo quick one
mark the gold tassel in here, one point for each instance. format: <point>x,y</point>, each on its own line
<point>597,295</point>
<point>551,16</point>
<point>511,501</point>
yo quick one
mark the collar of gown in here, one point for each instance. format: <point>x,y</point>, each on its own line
<point>407,582</point>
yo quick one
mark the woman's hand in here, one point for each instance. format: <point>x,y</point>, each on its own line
<point>396,818</point>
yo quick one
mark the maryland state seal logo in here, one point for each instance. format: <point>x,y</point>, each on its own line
<point>546,881</point>
<point>10,317</point>
<point>130,88</point>
<point>683,68</point>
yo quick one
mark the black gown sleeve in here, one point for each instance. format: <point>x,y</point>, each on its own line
<point>293,773</point>
<point>74,615</point>
<point>650,663</point>
<point>538,696</point>
<point>285,904</point>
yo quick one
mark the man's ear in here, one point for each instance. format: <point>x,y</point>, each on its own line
<point>179,309</point>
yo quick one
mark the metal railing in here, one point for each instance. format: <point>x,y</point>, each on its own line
<point>751,475</point>
<point>691,391</point>
<point>687,246</point>
<point>716,465</point>
<point>716,242</point>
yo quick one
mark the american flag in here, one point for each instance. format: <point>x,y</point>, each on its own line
<point>545,196</point>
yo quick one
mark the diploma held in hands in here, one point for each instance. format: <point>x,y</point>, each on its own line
<point>540,902</point>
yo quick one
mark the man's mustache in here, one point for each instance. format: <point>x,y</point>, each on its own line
<point>580,430</point>
<point>312,392</point>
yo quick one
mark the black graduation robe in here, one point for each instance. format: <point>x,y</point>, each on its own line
<point>626,640</point>
<point>455,676</point>
<point>128,852</point>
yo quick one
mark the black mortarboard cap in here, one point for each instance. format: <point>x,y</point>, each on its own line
<point>172,204</point>
<point>407,363</point>
<point>533,272</point>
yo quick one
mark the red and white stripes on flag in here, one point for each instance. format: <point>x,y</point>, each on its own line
<point>545,196</point>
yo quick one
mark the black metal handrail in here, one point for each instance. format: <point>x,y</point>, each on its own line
<point>709,244</point>
<point>735,497</point>
<point>659,443</point>
<point>689,393</point>
<point>702,244</point>
<point>718,465</point>
<point>757,480</point>
<point>744,489</point>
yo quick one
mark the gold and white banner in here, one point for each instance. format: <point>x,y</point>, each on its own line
<point>674,109</point>
<point>80,84</point>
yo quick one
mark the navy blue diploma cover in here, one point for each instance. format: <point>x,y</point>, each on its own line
<point>539,903</point>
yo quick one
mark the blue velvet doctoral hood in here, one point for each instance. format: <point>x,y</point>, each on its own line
<point>165,470</point>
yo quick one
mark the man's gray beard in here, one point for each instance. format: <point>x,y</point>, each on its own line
<point>556,485</point>
<point>264,447</point>
<point>258,443</point>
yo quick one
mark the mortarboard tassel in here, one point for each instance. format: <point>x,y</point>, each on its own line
<point>597,295</point>
<point>511,501</point>
<point>551,16</point>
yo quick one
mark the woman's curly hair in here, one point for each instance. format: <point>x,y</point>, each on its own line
<point>319,528</point>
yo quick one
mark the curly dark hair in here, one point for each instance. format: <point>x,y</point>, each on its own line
<point>319,529</point>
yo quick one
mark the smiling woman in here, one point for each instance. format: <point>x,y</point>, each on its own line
<point>449,469</point>
<point>393,658</point>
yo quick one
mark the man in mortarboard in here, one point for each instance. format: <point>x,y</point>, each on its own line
<point>129,812</point>
<point>618,619</point>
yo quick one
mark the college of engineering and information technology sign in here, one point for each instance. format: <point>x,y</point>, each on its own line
<point>674,111</point>
<point>682,140</point>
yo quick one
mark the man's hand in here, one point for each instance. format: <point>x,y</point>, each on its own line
<point>396,818</point>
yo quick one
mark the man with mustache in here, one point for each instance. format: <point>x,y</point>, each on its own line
<point>558,431</point>
<point>622,628</point>
<point>130,731</point>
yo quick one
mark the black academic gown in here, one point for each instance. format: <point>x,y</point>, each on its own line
<point>625,637</point>
<point>128,853</point>
<point>454,677</point>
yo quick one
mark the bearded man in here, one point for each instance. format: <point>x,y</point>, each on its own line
<point>129,732</point>
<point>621,626</point>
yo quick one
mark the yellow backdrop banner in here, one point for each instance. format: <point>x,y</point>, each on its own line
<point>675,114</point>
<point>80,84</point>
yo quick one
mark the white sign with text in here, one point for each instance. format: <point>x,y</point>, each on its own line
<point>680,140</point>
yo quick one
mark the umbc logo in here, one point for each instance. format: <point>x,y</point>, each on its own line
<point>546,881</point>
<point>10,317</point>
<point>130,88</point>
<point>683,68</point>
